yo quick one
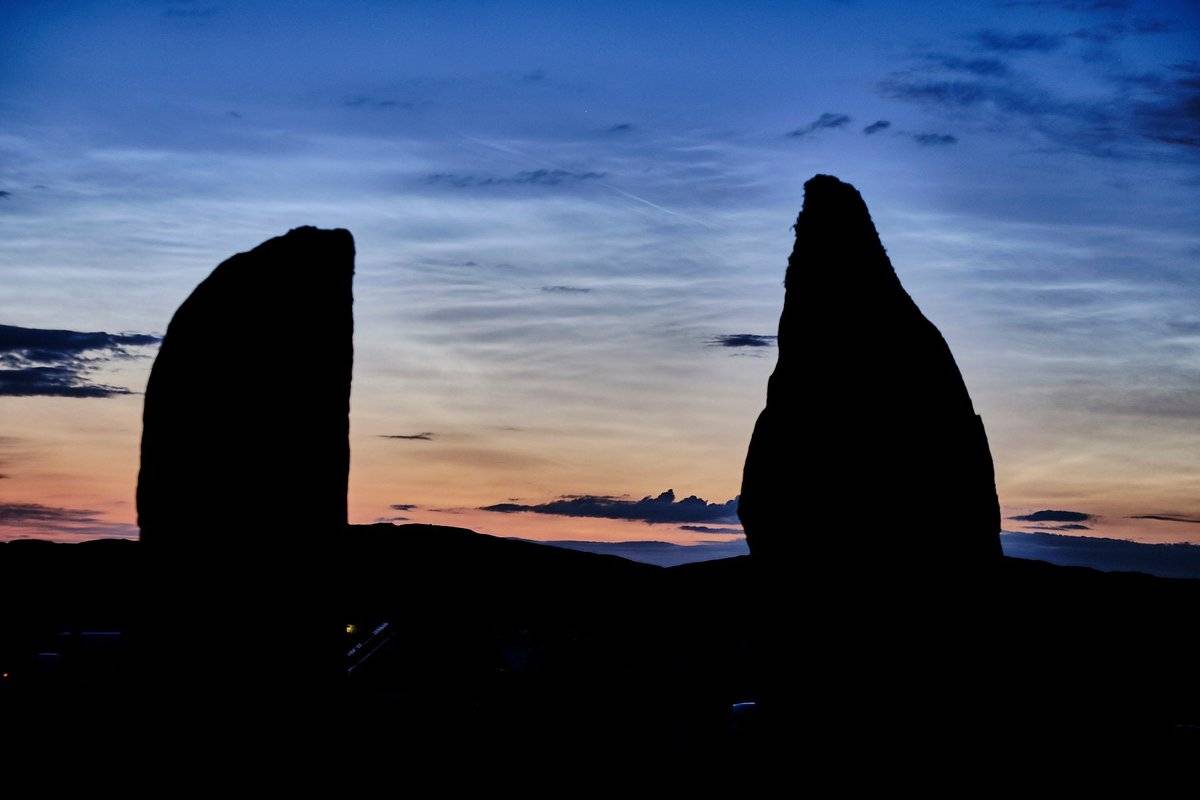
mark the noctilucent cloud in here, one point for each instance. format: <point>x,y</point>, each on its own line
<point>572,223</point>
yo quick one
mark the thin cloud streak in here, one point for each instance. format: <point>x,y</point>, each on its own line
<point>607,185</point>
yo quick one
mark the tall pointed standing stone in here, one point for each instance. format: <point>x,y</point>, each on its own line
<point>869,451</point>
<point>868,496</point>
<point>245,463</point>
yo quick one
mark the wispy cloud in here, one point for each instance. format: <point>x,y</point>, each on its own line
<point>1111,32</point>
<point>1028,41</point>
<point>43,519</point>
<point>410,437</point>
<point>827,121</point>
<point>35,513</point>
<point>990,67</point>
<point>877,126</point>
<point>710,529</point>
<point>57,363</point>
<point>1111,128</point>
<point>1143,115</point>
<point>1069,5</point>
<point>532,177</point>
<point>7,444</point>
<point>955,93</point>
<point>40,344</point>
<point>367,101</point>
<point>563,289</point>
<point>1167,518</point>
<point>743,340</point>
<point>934,139</point>
<point>180,11</point>
<point>652,510</point>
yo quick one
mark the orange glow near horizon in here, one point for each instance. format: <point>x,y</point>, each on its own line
<point>86,461</point>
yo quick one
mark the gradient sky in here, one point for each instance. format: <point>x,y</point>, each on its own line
<point>561,209</point>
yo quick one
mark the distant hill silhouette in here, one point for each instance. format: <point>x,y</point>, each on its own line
<point>500,643</point>
<point>1109,555</point>
<point>1112,555</point>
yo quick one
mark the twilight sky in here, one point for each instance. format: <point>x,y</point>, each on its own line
<point>572,223</point>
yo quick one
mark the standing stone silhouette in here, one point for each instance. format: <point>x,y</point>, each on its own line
<point>868,496</point>
<point>245,460</point>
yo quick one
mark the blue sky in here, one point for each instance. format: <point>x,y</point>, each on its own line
<point>560,209</point>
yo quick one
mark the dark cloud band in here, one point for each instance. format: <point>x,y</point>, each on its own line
<point>1167,518</point>
<point>743,340</point>
<point>41,519</point>
<point>56,363</point>
<point>653,510</point>
<point>826,121</point>
<point>1054,515</point>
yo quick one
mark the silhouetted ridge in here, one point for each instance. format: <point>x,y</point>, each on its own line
<point>530,646</point>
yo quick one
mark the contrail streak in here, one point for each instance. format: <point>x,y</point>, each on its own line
<point>609,186</point>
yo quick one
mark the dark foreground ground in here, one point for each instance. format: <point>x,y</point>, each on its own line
<point>469,642</point>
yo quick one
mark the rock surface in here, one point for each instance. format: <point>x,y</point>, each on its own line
<point>246,417</point>
<point>869,454</point>
<point>245,440</point>
<point>868,500</point>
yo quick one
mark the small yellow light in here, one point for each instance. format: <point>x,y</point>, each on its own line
<point>351,629</point>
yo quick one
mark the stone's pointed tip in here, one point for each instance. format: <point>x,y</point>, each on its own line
<point>820,189</point>
<point>836,204</point>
